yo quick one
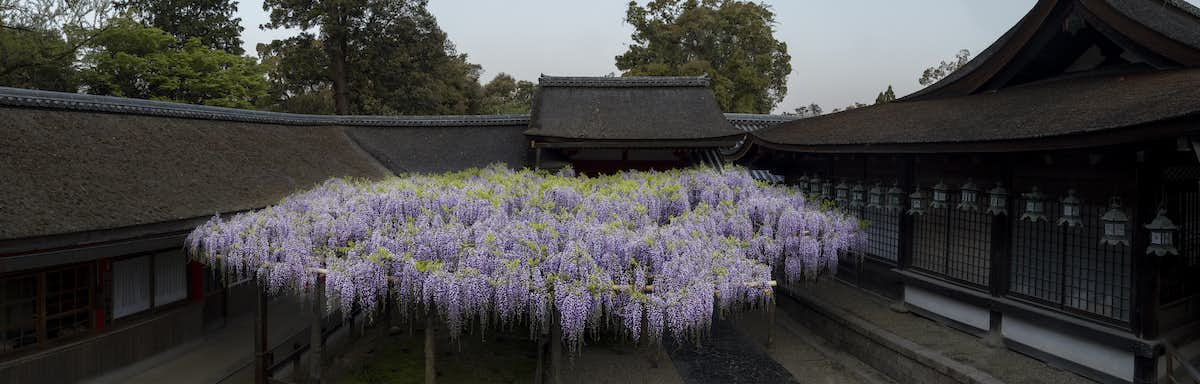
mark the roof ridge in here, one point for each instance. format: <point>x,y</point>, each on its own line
<point>18,97</point>
<point>626,81</point>
<point>759,117</point>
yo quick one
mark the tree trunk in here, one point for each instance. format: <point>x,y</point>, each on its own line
<point>336,46</point>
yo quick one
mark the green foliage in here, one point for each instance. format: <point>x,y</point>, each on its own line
<point>211,21</point>
<point>131,60</point>
<point>506,95</point>
<point>381,57</point>
<point>811,110</point>
<point>40,40</point>
<point>36,60</point>
<point>297,75</point>
<point>731,41</point>
<point>886,96</point>
<point>945,68</point>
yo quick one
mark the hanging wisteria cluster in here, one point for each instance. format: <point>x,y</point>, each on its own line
<point>494,245</point>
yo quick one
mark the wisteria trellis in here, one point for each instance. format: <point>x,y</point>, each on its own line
<point>495,245</point>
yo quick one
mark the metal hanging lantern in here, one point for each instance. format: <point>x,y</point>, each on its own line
<point>1115,221</point>
<point>1162,235</point>
<point>941,196</point>
<point>916,202</point>
<point>875,196</point>
<point>895,198</point>
<point>1071,210</point>
<point>968,196</point>
<point>842,193</point>
<point>858,196</point>
<point>1035,206</point>
<point>997,200</point>
<point>827,189</point>
<point>802,183</point>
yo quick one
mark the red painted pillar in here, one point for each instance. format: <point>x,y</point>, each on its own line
<point>103,269</point>
<point>195,281</point>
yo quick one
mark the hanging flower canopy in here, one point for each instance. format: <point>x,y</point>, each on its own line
<point>651,249</point>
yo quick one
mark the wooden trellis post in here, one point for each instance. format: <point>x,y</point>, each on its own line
<point>261,354</point>
<point>430,351</point>
<point>771,320</point>
<point>317,340</point>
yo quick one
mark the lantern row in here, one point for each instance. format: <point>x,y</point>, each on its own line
<point>1115,220</point>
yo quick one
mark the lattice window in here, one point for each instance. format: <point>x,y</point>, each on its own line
<point>1037,267</point>
<point>18,312</point>
<point>39,307</point>
<point>1179,273</point>
<point>1067,267</point>
<point>883,233</point>
<point>929,241</point>
<point>954,243</point>
<point>970,238</point>
<point>68,302</point>
<point>1187,205</point>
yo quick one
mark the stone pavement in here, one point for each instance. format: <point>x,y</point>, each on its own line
<point>907,347</point>
<point>224,354</point>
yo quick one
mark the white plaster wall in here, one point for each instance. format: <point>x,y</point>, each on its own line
<point>946,307</point>
<point>1096,356</point>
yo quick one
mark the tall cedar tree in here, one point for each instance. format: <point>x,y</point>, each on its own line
<point>731,41</point>
<point>383,56</point>
<point>211,21</point>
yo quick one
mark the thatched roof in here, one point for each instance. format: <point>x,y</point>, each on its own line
<point>79,171</point>
<point>1071,73</point>
<point>446,148</point>
<point>1034,111</point>
<point>79,163</point>
<point>639,111</point>
<point>1164,33</point>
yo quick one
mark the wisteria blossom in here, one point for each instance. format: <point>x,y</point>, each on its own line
<point>658,251</point>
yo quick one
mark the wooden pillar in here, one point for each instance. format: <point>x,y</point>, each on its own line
<point>261,354</point>
<point>555,349</point>
<point>771,320</point>
<point>316,348</point>
<point>430,347</point>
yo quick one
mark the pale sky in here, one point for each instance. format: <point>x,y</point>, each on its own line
<point>842,51</point>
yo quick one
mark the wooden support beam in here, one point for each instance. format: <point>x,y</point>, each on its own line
<point>261,354</point>
<point>430,347</point>
<point>317,338</point>
<point>556,359</point>
<point>771,323</point>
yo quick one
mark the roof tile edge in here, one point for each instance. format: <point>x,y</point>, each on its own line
<point>629,81</point>
<point>28,98</point>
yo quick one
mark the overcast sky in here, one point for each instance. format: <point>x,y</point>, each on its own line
<point>842,51</point>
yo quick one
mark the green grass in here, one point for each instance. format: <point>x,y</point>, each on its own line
<point>401,359</point>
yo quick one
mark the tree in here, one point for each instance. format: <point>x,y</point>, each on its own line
<point>811,110</point>
<point>211,21</point>
<point>297,80</point>
<point>731,41</point>
<point>856,105</point>
<point>132,60</point>
<point>943,69</point>
<point>40,40</point>
<point>886,96</point>
<point>506,95</point>
<point>384,56</point>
